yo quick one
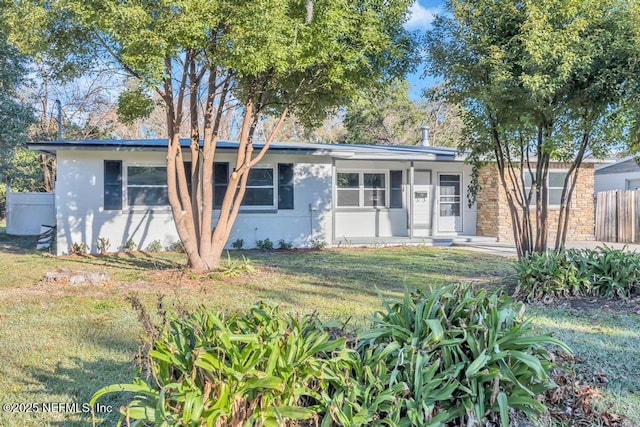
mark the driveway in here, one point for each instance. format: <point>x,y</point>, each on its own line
<point>508,249</point>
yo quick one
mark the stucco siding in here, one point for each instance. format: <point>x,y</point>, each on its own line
<point>80,215</point>
<point>371,223</point>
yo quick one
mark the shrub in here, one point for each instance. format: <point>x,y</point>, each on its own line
<point>550,274</point>
<point>613,272</point>
<point>284,245</point>
<point>129,246</point>
<point>78,248</point>
<point>461,356</point>
<point>237,244</point>
<point>102,245</point>
<point>318,244</point>
<point>265,245</point>
<point>603,271</point>
<point>455,356</point>
<point>176,246</point>
<point>260,368</point>
<point>154,246</point>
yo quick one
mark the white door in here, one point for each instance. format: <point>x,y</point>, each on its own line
<point>449,202</point>
<point>422,202</point>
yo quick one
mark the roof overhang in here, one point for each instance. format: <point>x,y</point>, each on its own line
<point>337,151</point>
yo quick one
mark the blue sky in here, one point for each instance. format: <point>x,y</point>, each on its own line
<point>422,13</point>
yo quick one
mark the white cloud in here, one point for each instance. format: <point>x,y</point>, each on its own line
<point>421,16</point>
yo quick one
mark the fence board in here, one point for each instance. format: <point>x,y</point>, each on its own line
<point>26,212</point>
<point>618,216</point>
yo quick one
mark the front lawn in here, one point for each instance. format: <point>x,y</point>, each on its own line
<point>61,342</point>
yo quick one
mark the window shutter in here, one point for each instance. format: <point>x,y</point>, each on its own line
<point>395,185</point>
<point>112,185</point>
<point>285,185</point>
<point>220,182</point>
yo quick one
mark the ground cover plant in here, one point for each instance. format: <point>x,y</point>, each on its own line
<point>604,271</point>
<point>61,342</point>
<point>451,355</point>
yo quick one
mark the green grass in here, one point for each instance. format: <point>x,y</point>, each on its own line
<point>61,342</point>
<point>606,341</point>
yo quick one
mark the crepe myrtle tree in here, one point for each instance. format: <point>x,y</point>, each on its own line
<point>260,57</point>
<point>539,81</point>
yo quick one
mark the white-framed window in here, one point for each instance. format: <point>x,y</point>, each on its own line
<point>146,186</point>
<point>555,184</point>
<point>368,189</point>
<point>260,188</point>
<point>264,190</point>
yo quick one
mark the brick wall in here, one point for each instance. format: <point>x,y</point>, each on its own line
<point>494,218</point>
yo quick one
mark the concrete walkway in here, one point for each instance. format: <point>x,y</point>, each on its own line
<point>508,249</point>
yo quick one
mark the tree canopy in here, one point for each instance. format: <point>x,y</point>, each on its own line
<point>539,81</point>
<point>262,57</point>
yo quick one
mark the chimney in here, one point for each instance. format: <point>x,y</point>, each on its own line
<point>424,140</point>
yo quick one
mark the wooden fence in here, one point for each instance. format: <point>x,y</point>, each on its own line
<point>618,216</point>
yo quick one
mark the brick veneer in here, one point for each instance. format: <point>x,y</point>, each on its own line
<point>494,218</point>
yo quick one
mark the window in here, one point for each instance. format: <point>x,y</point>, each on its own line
<point>348,189</point>
<point>259,190</point>
<point>450,195</point>
<point>555,184</point>
<point>395,178</point>
<point>147,186</point>
<point>285,186</point>
<point>367,189</point>
<point>374,190</point>
<point>220,182</point>
<point>112,185</point>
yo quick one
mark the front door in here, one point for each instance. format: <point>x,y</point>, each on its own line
<point>422,203</point>
<point>450,202</point>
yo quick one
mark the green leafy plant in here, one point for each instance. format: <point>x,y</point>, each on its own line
<point>284,245</point>
<point>129,246</point>
<point>614,272</point>
<point>603,271</point>
<point>155,246</point>
<point>236,267</point>
<point>318,244</point>
<point>260,368</point>
<point>462,356</point>
<point>176,246</point>
<point>237,244</point>
<point>264,245</point>
<point>550,274</point>
<point>78,248</point>
<point>102,245</point>
<point>456,355</point>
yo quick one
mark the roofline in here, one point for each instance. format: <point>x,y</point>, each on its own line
<point>338,151</point>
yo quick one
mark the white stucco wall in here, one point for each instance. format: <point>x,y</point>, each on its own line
<point>80,215</point>
<point>384,222</point>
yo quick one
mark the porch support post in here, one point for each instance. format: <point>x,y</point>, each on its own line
<point>411,182</point>
<point>334,202</point>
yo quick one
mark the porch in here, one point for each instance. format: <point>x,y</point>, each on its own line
<point>413,241</point>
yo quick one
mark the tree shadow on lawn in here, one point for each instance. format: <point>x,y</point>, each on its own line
<point>77,378</point>
<point>125,261</point>
<point>601,344</point>
<point>17,244</point>
<point>390,267</point>
<point>78,384</point>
